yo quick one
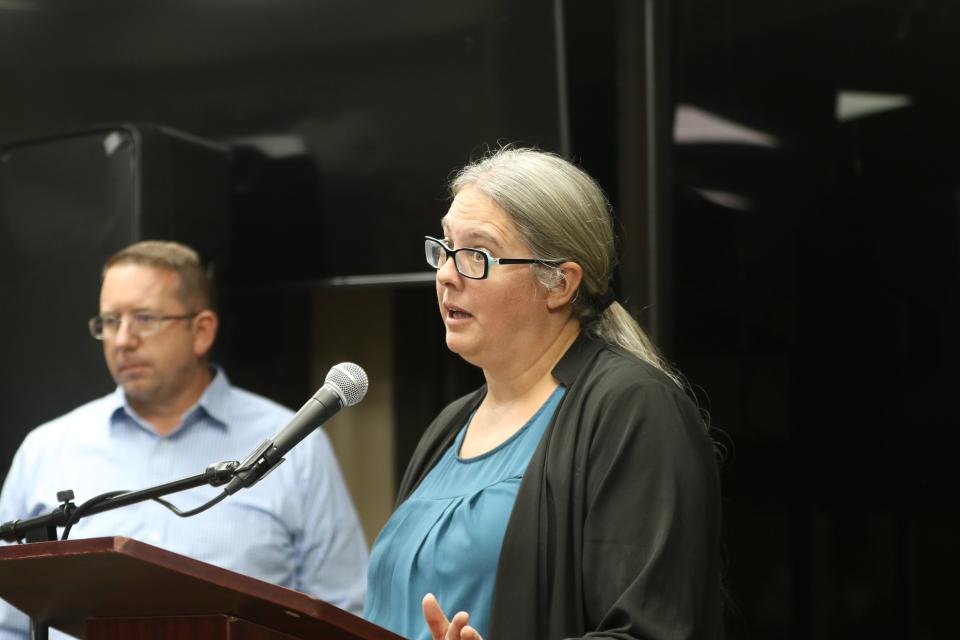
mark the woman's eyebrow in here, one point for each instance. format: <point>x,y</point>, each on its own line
<point>475,237</point>
<point>479,237</point>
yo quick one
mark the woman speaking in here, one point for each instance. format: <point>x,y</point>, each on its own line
<point>576,493</point>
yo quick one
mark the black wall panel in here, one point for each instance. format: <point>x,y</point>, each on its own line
<point>341,122</point>
<point>66,203</point>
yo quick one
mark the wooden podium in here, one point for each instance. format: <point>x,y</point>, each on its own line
<point>113,588</point>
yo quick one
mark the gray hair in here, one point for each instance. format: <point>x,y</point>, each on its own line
<point>563,214</point>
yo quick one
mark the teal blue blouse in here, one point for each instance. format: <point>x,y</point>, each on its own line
<point>445,538</point>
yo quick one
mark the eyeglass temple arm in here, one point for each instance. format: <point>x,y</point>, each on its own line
<point>551,263</point>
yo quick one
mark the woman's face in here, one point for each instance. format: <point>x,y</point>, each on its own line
<point>497,320</point>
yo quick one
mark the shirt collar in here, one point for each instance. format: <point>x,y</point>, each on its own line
<point>576,358</point>
<point>215,400</point>
<point>214,404</point>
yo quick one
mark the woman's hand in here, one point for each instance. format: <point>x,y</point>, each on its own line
<point>443,629</point>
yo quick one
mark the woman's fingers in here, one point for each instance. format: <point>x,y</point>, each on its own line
<point>436,619</point>
<point>443,629</point>
<point>457,624</point>
<point>469,633</point>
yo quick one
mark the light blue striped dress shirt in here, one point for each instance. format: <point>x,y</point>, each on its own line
<point>296,528</point>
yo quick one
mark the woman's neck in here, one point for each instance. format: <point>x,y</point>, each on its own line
<point>519,379</point>
<point>515,393</point>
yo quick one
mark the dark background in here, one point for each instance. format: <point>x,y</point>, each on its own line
<point>796,260</point>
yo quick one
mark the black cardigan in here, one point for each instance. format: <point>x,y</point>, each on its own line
<point>615,531</point>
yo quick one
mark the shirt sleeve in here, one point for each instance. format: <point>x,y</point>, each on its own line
<point>650,556</point>
<point>13,623</point>
<point>332,554</point>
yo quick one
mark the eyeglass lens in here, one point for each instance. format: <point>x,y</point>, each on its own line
<point>471,263</point>
<point>140,324</point>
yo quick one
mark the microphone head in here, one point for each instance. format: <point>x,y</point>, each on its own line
<point>349,381</point>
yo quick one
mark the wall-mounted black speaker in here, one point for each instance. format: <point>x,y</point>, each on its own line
<point>68,202</point>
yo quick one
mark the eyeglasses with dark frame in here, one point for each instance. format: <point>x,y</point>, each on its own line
<point>472,263</point>
<point>141,323</point>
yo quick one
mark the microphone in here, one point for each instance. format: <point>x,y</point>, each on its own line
<point>345,385</point>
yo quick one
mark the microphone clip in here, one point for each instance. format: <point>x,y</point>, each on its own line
<point>254,468</point>
<point>220,473</point>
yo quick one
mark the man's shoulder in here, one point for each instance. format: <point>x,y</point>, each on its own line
<point>250,414</point>
<point>246,401</point>
<point>89,415</point>
<point>81,424</point>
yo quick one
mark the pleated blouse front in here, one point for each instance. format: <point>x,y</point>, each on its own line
<point>445,538</point>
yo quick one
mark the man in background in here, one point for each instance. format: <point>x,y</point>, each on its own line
<point>172,414</point>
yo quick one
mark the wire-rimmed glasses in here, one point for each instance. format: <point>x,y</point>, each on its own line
<point>139,323</point>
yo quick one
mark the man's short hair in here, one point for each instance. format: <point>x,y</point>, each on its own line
<point>195,288</point>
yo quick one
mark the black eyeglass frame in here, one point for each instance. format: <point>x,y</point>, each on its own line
<point>99,335</point>
<point>488,259</point>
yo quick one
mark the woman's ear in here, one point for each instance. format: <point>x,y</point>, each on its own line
<point>562,293</point>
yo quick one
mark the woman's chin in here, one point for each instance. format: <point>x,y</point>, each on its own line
<point>458,344</point>
<point>455,342</point>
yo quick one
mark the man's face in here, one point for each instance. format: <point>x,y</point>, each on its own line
<point>151,369</point>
